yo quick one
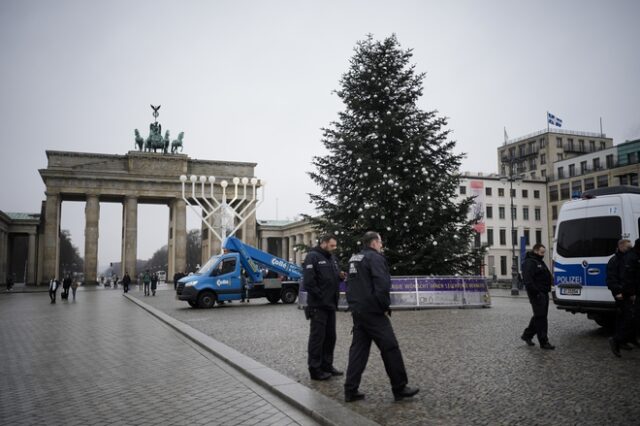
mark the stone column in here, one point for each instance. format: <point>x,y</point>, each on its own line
<point>4,255</point>
<point>314,239</point>
<point>91,230</point>
<point>51,237</point>
<point>31,260</point>
<point>285,248</point>
<point>265,245</point>
<point>180,235</point>
<point>292,241</point>
<point>300,240</point>
<point>130,237</point>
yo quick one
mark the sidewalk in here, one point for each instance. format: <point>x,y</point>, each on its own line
<point>103,360</point>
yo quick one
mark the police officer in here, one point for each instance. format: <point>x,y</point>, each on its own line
<point>368,288</point>
<point>630,283</point>
<point>624,308</point>
<point>537,281</point>
<point>321,281</point>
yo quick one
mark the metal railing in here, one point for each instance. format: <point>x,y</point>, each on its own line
<point>556,130</point>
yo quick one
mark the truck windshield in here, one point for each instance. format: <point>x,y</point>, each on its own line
<point>589,237</point>
<point>207,265</point>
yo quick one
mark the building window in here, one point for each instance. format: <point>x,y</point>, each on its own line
<point>559,142</point>
<point>576,189</point>
<point>634,179</point>
<point>559,156</point>
<point>526,237</point>
<point>503,265</point>
<point>543,159</point>
<point>525,213</point>
<point>477,241</point>
<point>536,194</point>
<point>537,214</point>
<point>490,236</point>
<point>500,192</point>
<point>596,164</point>
<point>592,146</point>
<point>543,173</point>
<point>514,237</point>
<point>553,193</point>
<point>525,193</point>
<point>560,172</point>
<point>565,193</point>
<point>513,193</point>
<point>514,213</point>
<point>603,145</point>
<point>538,236</point>
<point>624,180</point>
<point>503,237</point>
<point>489,212</point>
<point>632,158</point>
<point>603,181</point>
<point>572,170</point>
<point>570,146</point>
<point>554,212</point>
<point>609,160</point>
<point>543,143</point>
<point>463,190</point>
<point>501,214</point>
<point>487,191</point>
<point>583,167</point>
<point>589,184</point>
<point>581,145</point>
<point>533,175</point>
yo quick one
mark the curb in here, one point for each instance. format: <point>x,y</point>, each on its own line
<point>319,407</point>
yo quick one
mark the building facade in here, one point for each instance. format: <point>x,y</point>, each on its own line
<point>493,203</point>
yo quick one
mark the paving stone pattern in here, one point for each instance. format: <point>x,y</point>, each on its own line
<point>470,364</point>
<point>103,360</point>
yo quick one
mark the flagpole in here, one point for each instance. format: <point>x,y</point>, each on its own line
<point>601,134</point>
<point>547,121</point>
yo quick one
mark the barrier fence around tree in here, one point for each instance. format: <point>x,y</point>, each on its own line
<point>428,292</point>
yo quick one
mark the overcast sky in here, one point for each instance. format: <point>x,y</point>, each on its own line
<point>253,81</point>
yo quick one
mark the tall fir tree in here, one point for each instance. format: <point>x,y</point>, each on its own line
<point>390,167</point>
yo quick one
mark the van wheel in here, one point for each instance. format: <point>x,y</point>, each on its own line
<point>273,296</point>
<point>206,299</point>
<point>289,295</point>
<point>193,304</point>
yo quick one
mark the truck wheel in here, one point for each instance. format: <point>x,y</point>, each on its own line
<point>193,304</point>
<point>289,295</point>
<point>206,299</point>
<point>273,296</point>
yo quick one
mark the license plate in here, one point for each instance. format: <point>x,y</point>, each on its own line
<point>570,291</point>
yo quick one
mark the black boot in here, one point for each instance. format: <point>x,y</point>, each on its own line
<point>528,341</point>
<point>615,347</point>
<point>547,346</point>
<point>405,392</point>
<point>334,372</point>
<point>319,375</point>
<point>351,396</point>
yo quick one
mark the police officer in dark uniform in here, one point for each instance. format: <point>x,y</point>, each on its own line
<point>624,307</point>
<point>368,288</point>
<point>537,280</point>
<point>321,281</point>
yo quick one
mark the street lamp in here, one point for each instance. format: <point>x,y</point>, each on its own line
<point>511,178</point>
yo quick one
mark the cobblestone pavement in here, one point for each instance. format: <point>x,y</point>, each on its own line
<point>103,360</point>
<point>470,364</point>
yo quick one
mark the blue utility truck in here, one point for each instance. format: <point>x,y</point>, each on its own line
<point>241,272</point>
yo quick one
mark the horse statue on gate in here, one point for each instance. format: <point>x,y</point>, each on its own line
<point>155,140</point>
<point>177,143</point>
<point>139,140</point>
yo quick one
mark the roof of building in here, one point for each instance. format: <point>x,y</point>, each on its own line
<point>22,216</point>
<point>275,222</point>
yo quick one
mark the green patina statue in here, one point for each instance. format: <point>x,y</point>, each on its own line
<point>155,140</point>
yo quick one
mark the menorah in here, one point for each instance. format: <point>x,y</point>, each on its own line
<point>242,206</point>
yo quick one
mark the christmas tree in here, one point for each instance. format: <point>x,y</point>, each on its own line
<point>390,168</point>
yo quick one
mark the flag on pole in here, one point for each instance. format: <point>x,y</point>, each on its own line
<point>553,120</point>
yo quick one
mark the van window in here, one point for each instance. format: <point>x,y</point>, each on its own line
<point>589,237</point>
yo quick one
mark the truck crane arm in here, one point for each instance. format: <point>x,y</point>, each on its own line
<point>253,258</point>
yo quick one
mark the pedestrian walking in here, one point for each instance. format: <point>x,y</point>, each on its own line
<point>176,277</point>
<point>154,283</point>
<point>623,283</point>
<point>126,280</point>
<point>146,281</point>
<point>66,285</point>
<point>368,295</point>
<point>53,288</point>
<point>10,282</point>
<point>321,282</point>
<point>74,288</point>
<point>537,281</point>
